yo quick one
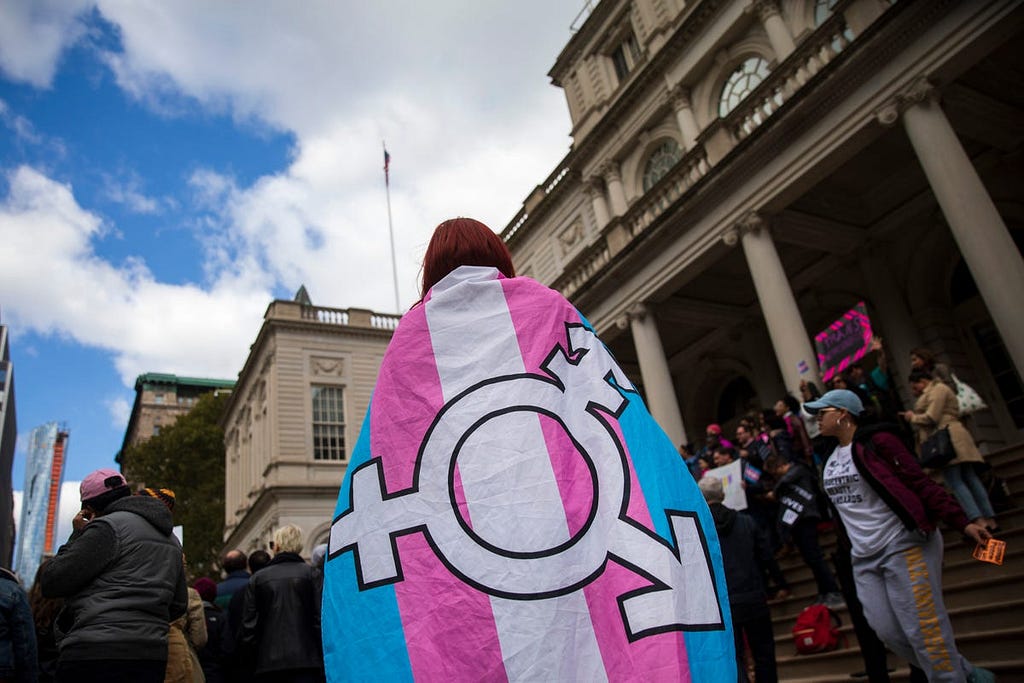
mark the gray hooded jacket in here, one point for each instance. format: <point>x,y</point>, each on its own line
<point>124,582</point>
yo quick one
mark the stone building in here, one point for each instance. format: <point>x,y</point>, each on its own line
<point>743,172</point>
<point>294,417</point>
<point>160,399</point>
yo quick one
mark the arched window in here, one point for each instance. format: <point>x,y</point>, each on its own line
<point>661,162</point>
<point>741,83</point>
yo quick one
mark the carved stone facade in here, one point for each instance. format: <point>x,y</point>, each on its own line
<point>280,468</point>
<point>869,151</point>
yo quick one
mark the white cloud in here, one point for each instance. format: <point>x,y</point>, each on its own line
<point>457,89</point>
<point>67,507</point>
<point>120,410</point>
<point>128,192</point>
<point>34,34</point>
<point>145,323</point>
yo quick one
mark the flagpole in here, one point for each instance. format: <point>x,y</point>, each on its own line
<point>391,229</point>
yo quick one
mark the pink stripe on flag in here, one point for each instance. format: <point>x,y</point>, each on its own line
<point>429,597</point>
<point>463,641</point>
<point>575,483</point>
<point>657,657</point>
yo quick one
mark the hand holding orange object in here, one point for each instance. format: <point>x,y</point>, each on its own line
<point>992,551</point>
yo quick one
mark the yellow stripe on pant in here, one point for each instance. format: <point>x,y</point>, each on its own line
<point>931,630</point>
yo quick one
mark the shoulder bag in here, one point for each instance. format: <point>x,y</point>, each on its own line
<point>937,450</point>
<point>968,400</point>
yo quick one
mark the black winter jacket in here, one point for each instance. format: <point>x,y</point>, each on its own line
<point>798,494</point>
<point>742,551</point>
<point>281,618</point>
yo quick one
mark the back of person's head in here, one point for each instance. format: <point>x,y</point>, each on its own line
<point>712,489</point>
<point>774,463</point>
<point>726,450</point>
<point>463,242</point>
<point>926,356</point>
<point>318,557</point>
<point>206,588</point>
<point>258,559</point>
<point>234,561</point>
<point>773,421</point>
<point>920,375</point>
<point>288,539</point>
<point>44,610</point>
<point>101,488</point>
<point>791,402</point>
<point>164,495</point>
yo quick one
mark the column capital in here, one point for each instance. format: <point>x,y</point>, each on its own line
<point>731,237</point>
<point>637,311</point>
<point>919,90</point>
<point>610,171</point>
<point>753,222</point>
<point>679,97</point>
<point>765,9</point>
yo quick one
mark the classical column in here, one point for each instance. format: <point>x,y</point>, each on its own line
<point>894,316</point>
<point>657,378</point>
<point>775,27</point>
<point>790,340</point>
<point>679,98</point>
<point>979,230</point>
<point>595,191</point>
<point>613,179</point>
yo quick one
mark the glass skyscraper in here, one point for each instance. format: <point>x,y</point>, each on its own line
<point>44,474</point>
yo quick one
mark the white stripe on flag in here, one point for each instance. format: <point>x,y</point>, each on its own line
<point>507,478</point>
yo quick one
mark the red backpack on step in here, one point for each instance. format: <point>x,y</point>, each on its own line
<point>816,630</point>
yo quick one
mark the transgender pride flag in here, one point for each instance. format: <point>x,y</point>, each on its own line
<point>512,511</point>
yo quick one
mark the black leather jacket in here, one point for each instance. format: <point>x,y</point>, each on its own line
<point>281,618</point>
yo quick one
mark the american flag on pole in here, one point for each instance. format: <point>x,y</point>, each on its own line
<point>512,512</point>
<point>387,162</point>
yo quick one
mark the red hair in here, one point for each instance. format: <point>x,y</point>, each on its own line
<point>463,242</point>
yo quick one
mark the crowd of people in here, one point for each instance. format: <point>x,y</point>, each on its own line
<point>113,604</point>
<point>849,459</point>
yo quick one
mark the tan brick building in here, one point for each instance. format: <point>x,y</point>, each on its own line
<point>295,416</point>
<point>160,399</point>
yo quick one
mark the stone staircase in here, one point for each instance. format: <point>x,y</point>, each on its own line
<point>985,601</point>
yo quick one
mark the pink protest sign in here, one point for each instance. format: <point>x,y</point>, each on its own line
<point>843,342</point>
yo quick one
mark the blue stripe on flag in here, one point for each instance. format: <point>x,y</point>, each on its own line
<point>357,616</point>
<point>667,485</point>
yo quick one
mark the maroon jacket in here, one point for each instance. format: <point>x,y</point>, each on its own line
<point>893,472</point>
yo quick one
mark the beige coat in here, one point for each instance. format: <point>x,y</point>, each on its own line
<point>936,408</point>
<point>186,635</point>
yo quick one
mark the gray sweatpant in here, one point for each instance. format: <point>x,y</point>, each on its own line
<point>901,590</point>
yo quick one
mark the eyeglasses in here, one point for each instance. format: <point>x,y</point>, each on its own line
<point>823,411</point>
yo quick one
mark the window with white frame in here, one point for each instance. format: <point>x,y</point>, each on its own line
<point>661,162</point>
<point>328,423</point>
<point>741,83</point>
<point>625,56</point>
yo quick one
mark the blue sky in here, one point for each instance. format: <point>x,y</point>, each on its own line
<point>167,169</point>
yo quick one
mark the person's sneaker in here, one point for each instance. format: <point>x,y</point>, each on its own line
<point>980,675</point>
<point>833,600</point>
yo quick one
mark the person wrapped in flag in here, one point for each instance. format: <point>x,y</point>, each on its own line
<point>511,510</point>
